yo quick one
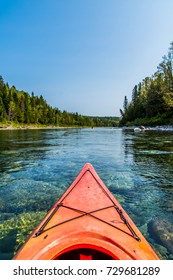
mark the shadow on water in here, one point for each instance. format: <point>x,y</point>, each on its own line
<point>7,245</point>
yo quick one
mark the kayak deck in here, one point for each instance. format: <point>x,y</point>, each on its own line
<point>87,222</point>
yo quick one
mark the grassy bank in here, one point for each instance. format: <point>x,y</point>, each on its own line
<point>13,125</point>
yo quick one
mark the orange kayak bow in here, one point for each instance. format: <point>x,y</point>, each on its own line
<point>87,222</point>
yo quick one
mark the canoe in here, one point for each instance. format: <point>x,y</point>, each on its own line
<point>86,223</point>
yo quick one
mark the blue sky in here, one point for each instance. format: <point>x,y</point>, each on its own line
<point>83,55</point>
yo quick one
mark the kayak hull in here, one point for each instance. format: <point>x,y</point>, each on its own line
<point>87,222</point>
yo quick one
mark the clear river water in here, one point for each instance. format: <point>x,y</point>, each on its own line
<point>37,166</point>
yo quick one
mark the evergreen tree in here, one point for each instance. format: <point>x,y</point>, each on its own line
<point>2,110</point>
<point>154,96</point>
<point>125,106</point>
<point>1,85</point>
<point>27,108</point>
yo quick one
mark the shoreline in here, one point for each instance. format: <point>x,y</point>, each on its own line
<point>30,127</point>
<point>164,128</point>
<point>49,127</point>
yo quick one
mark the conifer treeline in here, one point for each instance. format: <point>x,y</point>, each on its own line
<point>152,99</point>
<point>22,108</point>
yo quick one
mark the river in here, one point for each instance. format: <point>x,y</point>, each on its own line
<point>36,167</point>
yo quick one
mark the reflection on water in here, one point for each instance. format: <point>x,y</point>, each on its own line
<point>36,166</point>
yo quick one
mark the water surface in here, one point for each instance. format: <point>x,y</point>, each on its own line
<point>37,166</point>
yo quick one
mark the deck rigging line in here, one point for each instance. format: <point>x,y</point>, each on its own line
<point>91,213</point>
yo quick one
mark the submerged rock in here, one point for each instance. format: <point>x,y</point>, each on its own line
<point>162,232</point>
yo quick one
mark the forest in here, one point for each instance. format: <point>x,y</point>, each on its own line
<point>151,104</point>
<point>19,108</point>
<point>152,99</point>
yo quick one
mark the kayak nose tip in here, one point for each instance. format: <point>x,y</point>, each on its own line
<point>88,166</point>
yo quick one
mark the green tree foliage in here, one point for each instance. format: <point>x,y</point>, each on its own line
<point>153,97</point>
<point>22,108</point>
<point>125,106</point>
